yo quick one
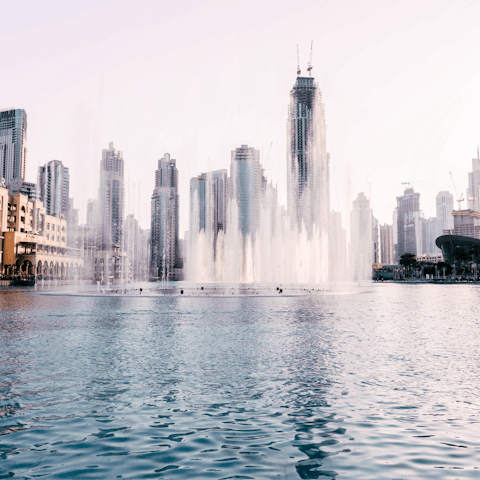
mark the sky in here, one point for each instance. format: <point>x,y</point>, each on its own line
<point>400,82</point>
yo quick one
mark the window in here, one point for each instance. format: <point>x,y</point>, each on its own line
<point>22,219</point>
<point>48,226</point>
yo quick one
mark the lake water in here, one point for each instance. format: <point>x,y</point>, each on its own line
<point>382,384</point>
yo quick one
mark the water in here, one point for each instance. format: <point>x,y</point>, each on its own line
<point>377,385</point>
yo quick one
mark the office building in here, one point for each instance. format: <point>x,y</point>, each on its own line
<point>53,183</point>
<point>473,194</point>
<point>466,223</point>
<point>135,246</point>
<point>246,188</point>
<point>429,235</point>
<point>409,227</point>
<point>19,185</point>
<point>208,202</point>
<point>164,262</point>
<point>386,244</point>
<point>308,187</point>
<point>111,198</point>
<point>444,205</point>
<point>361,238</point>
<point>13,144</point>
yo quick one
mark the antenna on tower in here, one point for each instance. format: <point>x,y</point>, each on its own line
<point>298,62</point>
<point>309,69</point>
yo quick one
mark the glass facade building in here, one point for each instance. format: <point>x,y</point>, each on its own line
<point>112,198</point>
<point>13,144</point>
<point>246,187</point>
<point>164,235</point>
<point>53,183</point>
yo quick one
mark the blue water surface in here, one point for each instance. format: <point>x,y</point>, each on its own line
<point>381,384</point>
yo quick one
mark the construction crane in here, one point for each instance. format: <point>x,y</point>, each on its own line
<point>459,199</point>
<point>309,69</point>
<point>416,181</point>
<point>298,62</point>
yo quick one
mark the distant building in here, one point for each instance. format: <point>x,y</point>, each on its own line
<point>53,183</point>
<point>136,247</point>
<point>375,241</point>
<point>473,197</point>
<point>436,258</point>
<point>308,189</point>
<point>409,228</point>
<point>165,262</point>
<point>92,227</point>
<point>466,223</point>
<point>246,187</point>
<point>208,202</point>
<point>444,204</point>
<point>386,244</point>
<point>35,243</point>
<point>395,236</point>
<point>361,243</point>
<point>75,235</point>
<point>111,198</point>
<point>429,235</point>
<point>13,144</point>
<point>19,185</point>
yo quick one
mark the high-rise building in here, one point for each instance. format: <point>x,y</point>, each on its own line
<point>395,235</point>
<point>375,241</point>
<point>13,144</point>
<point>136,247</point>
<point>19,185</point>
<point>408,223</point>
<point>361,241</point>
<point>466,223</point>
<point>386,244</point>
<point>473,197</point>
<point>246,187</point>
<point>444,201</point>
<point>165,207</point>
<point>111,198</point>
<point>307,158</point>
<point>208,202</point>
<point>429,235</point>
<point>53,183</point>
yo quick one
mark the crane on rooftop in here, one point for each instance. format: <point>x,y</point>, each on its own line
<point>298,63</point>
<point>309,69</point>
<point>416,181</point>
<point>460,198</point>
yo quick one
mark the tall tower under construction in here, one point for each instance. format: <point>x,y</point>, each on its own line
<point>307,158</point>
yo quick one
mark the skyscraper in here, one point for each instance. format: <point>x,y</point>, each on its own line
<point>13,144</point>
<point>386,244</point>
<point>361,238</point>
<point>444,203</point>
<point>208,202</point>
<point>409,228</point>
<point>307,158</point>
<point>53,184</point>
<point>111,197</point>
<point>246,187</point>
<point>473,197</point>
<point>165,208</point>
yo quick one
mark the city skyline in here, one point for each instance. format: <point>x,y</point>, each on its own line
<point>399,91</point>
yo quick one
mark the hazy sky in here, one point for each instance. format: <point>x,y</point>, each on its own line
<point>400,81</point>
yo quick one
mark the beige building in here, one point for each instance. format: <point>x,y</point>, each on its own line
<point>34,243</point>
